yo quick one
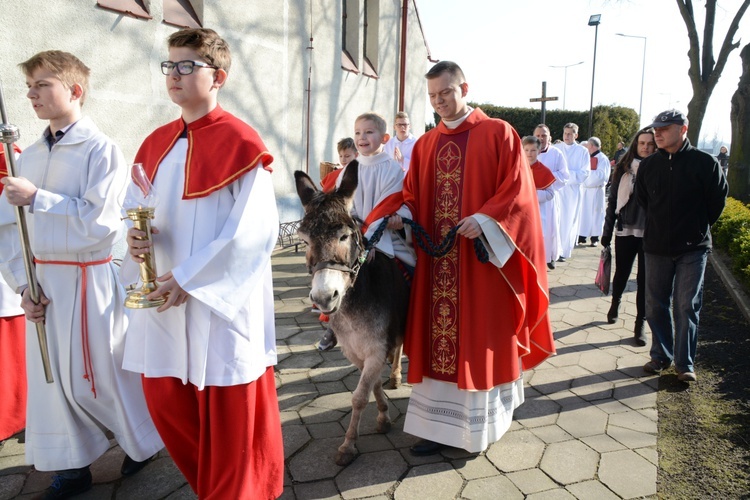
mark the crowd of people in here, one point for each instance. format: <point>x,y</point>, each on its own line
<point>200,367</point>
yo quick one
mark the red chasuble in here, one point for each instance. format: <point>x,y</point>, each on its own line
<point>221,148</point>
<point>469,323</point>
<point>543,176</point>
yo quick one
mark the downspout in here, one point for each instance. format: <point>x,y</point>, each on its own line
<point>402,69</point>
<point>309,95</point>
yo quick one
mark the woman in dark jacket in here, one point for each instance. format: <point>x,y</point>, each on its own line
<point>628,220</point>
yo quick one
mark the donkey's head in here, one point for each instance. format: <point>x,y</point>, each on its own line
<point>333,239</point>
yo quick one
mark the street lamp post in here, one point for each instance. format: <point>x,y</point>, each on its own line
<point>594,20</point>
<point>565,81</point>
<point>643,71</point>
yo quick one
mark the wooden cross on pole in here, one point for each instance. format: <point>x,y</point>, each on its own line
<point>543,100</point>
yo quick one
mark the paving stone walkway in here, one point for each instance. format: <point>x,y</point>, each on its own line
<point>587,430</point>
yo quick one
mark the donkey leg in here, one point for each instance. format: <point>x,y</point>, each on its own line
<point>394,382</point>
<point>370,374</point>
<point>384,419</point>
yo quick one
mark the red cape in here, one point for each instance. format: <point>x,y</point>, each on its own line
<point>221,148</point>
<point>469,323</point>
<point>3,166</point>
<point>543,176</point>
<point>328,183</point>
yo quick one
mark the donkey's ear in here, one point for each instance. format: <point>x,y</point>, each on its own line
<point>349,179</point>
<point>305,187</point>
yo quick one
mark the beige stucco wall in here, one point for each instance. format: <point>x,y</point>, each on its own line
<point>268,80</point>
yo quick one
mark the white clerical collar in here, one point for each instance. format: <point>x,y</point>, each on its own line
<point>455,123</point>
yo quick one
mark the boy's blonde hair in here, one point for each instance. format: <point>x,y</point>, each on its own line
<point>346,143</point>
<point>206,42</point>
<point>65,66</point>
<point>378,120</point>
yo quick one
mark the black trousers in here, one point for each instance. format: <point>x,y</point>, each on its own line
<point>627,248</point>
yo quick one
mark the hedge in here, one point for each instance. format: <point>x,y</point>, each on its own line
<point>732,233</point>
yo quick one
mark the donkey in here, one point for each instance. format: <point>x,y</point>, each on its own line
<point>365,298</point>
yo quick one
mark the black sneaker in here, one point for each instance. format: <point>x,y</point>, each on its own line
<point>328,341</point>
<point>63,487</point>
<point>551,264</point>
<point>581,240</point>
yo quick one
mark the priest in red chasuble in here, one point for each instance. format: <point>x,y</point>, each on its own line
<point>472,327</point>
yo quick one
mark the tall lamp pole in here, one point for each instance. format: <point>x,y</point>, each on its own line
<point>594,20</point>
<point>643,72</point>
<point>565,81</point>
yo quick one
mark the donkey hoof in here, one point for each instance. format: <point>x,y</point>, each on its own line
<point>383,427</point>
<point>344,458</point>
<point>393,383</point>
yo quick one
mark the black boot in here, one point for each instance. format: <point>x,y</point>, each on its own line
<point>614,311</point>
<point>640,332</point>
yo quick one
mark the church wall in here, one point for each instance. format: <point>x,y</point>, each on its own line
<point>268,80</point>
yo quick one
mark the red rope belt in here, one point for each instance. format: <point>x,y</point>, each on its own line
<point>88,367</point>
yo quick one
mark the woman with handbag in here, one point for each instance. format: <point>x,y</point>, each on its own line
<point>627,220</point>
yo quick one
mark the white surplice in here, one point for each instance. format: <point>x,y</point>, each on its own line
<point>75,217</point>
<point>218,248</point>
<point>593,205</point>
<point>405,147</point>
<point>571,195</point>
<point>380,176</point>
<point>555,161</point>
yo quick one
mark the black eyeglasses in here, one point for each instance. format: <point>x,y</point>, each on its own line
<point>183,67</point>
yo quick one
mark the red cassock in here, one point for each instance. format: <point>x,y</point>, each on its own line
<point>12,360</point>
<point>469,323</point>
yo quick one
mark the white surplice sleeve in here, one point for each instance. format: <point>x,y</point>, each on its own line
<point>223,273</point>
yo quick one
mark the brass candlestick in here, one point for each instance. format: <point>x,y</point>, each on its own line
<point>138,299</point>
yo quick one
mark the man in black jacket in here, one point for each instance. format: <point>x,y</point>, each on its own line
<point>683,192</point>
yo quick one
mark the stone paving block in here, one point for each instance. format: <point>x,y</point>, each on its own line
<point>158,480</point>
<point>373,443</point>
<point>492,488</point>
<point>551,433</point>
<point>371,474</point>
<point>611,406</point>
<point>537,412</point>
<point>320,490</point>
<point>649,454</point>
<point>591,489</point>
<point>566,358</point>
<point>628,474</point>
<point>341,401</point>
<point>592,388</point>
<point>313,415</point>
<point>602,443</point>
<point>330,387</point>
<point>301,360</point>
<point>583,306</point>
<point>296,396</point>
<point>369,419</point>
<point>558,494</point>
<point>37,481</point>
<point>325,430</point>
<point>12,447</point>
<point>316,461</point>
<point>184,493</point>
<point>475,468</point>
<point>649,413</point>
<point>550,380</point>
<point>14,464</point>
<point>107,467</point>
<point>11,486</point>
<point>598,361</point>
<point>290,418</point>
<point>295,437</point>
<point>634,420</point>
<point>516,451</point>
<point>433,481</point>
<point>635,394</point>
<point>289,377</point>
<point>584,421</point>
<point>531,481</point>
<point>630,438</point>
<point>570,462</point>
<point>602,338</point>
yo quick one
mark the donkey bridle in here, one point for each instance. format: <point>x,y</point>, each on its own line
<point>352,268</point>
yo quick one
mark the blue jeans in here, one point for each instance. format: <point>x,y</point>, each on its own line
<point>676,282</point>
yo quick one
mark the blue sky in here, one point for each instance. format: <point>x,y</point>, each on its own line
<point>506,48</point>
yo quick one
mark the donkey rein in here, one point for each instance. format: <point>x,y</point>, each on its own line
<point>425,242</point>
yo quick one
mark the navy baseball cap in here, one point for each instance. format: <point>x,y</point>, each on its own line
<point>669,117</point>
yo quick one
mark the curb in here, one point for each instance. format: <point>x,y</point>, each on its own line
<point>732,285</point>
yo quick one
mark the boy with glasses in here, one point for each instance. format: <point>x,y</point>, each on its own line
<point>399,146</point>
<point>207,354</point>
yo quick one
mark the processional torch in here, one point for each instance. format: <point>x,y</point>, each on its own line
<point>8,135</point>
<point>139,204</point>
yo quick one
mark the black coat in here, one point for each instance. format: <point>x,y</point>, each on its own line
<point>683,193</point>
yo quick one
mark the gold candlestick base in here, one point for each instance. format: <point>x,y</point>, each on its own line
<point>137,299</point>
